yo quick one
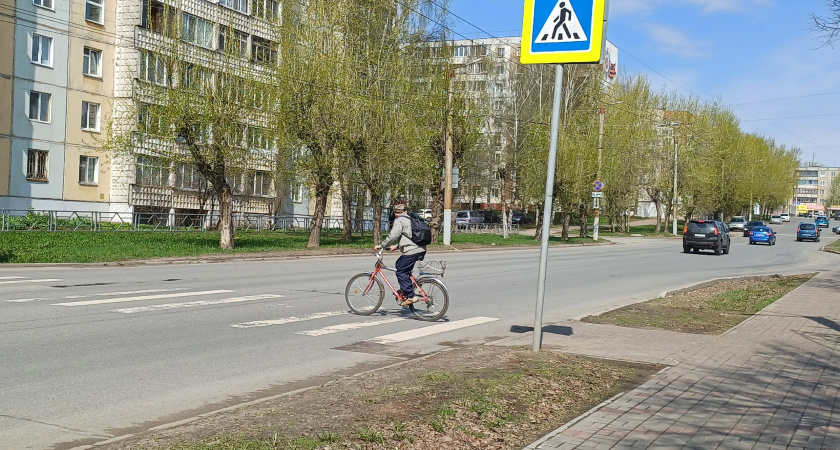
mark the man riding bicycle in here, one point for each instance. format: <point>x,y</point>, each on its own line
<point>411,252</point>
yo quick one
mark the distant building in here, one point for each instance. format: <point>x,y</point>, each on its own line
<point>813,188</point>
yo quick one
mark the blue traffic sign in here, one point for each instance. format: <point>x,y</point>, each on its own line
<point>563,31</point>
<point>597,185</point>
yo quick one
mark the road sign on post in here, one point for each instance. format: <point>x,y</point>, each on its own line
<point>597,185</point>
<point>563,31</point>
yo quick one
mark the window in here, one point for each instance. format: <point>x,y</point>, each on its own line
<point>93,11</point>
<point>39,106</point>
<point>460,51</point>
<point>148,122</point>
<point>822,191</point>
<point>236,5</point>
<point>822,183</point>
<point>41,50</point>
<point>36,165</point>
<point>88,170</point>
<point>187,177</point>
<point>153,68</point>
<point>92,62</point>
<point>494,193</point>
<point>233,42</point>
<point>161,19</point>
<point>151,171</point>
<point>296,192</point>
<point>822,174</point>
<point>497,157</point>
<point>198,31</point>
<point>196,77</point>
<point>263,51</point>
<point>501,52</point>
<point>258,138</point>
<point>259,183</point>
<point>43,3</point>
<point>90,116</point>
<point>265,9</point>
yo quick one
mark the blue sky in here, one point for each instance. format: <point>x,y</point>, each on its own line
<point>760,57</point>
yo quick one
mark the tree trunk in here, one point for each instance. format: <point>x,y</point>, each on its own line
<point>567,220</point>
<point>359,220</point>
<point>584,221</point>
<point>225,216</point>
<point>436,223</point>
<point>322,190</point>
<point>346,217</point>
<point>376,204</point>
<point>658,215</point>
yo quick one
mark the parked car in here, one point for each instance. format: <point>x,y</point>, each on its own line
<point>706,234</point>
<point>520,218</point>
<point>785,217</point>
<point>751,224</point>
<point>807,230</point>
<point>821,221</point>
<point>776,220</point>
<point>835,230</point>
<point>426,213</point>
<point>737,223</point>
<point>490,216</point>
<point>468,218</point>
<point>763,234</point>
<point>837,216</point>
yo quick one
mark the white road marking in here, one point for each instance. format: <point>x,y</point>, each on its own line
<point>285,320</point>
<point>30,281</point>
<point>145,291</point>
<point>428,331</point>
<point>247,298</point>
<point>24,300</point>
<point>11,278</point>
<point>144,297</point>
<point>350,326</point>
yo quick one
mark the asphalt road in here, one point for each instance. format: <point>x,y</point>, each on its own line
<point>88,353</point>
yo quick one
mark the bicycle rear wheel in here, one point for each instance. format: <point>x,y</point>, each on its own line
<point>364,294</point>
<point>437,302</point>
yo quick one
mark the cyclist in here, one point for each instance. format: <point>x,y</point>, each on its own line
<point>411,252</point>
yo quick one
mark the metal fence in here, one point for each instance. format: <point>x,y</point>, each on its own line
<point>33,220</point>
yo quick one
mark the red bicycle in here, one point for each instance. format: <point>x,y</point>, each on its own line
<point>365,291</point>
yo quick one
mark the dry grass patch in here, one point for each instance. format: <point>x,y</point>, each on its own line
<point>708,310</point>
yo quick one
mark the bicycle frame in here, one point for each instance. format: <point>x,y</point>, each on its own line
<point>378,272</point>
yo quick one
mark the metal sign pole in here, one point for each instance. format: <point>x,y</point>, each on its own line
<point>547,209</point>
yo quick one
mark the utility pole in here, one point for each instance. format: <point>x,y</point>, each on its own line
<point>674,197</point>
<point>598,173</point>
<point>447,182</point>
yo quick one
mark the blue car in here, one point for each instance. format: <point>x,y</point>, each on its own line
<point>821,221</point>
<point>763,234</point>
<point>808,231</point>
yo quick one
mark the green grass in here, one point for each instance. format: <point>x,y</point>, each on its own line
<point>90,247</point>
<point>834,246</point>
<point>644,230</point>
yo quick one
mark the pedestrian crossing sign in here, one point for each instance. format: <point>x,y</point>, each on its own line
<point>563,31</point>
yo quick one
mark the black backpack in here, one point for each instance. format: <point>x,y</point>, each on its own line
<point>421,234</point>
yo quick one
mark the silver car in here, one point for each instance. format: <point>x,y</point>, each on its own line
<point>776,219</point>
<point>737,223</point>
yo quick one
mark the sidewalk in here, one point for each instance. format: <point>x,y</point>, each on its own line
<point>772,382</point>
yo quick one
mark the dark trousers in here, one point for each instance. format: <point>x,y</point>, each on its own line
<point>404,266</point>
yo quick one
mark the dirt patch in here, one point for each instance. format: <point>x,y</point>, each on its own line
<point>711,309</point>
<point>481,397</point>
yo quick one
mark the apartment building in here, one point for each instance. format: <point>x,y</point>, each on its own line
<point>813,189</point>
<point>54,67</point>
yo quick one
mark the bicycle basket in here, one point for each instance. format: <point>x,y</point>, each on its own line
<point>431,267</point>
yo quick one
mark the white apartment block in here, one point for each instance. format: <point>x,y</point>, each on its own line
<point>813,188</point>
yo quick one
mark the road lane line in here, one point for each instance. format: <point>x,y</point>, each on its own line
<point>143,297</point>
<point>25,300</point>
<point>350,326</point>
<point>11,278</point>
<point>223,301</point>
<point>46,280</point>
<point>428,331</point>
<point>285,320</point>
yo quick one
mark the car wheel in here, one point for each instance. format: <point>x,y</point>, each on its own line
<point>726,250</point>
<point>686,249</point>
<point>798,239</point>
<point>717,250</point>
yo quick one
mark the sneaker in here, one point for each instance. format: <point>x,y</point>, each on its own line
<point>410,301</point>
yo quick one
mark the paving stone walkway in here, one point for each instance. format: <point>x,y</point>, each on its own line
<point>772,382</point>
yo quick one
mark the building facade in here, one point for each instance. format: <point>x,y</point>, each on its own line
<point>813,190</point>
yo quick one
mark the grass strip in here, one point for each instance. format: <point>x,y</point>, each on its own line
<point>91,247</point>
<point>709,310</point>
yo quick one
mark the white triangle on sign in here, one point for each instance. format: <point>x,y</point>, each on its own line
<point>562,25</point>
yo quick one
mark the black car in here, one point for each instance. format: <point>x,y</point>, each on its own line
<point>706,234</point>
<point>752,224</point>
<point>520,218</point>
<point>490,216</point>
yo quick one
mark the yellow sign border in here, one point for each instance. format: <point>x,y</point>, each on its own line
<point>593,55</point>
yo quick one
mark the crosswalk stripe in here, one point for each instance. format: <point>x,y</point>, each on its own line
<point>46,280</point>
<point>428,331</point>
<point>144,291</point>
<point>143,297</point>
<point>350,326</point>
<point>285,320</point>
<point>197,303</point>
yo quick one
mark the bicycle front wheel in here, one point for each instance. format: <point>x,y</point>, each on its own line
<point>364,294</point>
<point>436,303</point>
